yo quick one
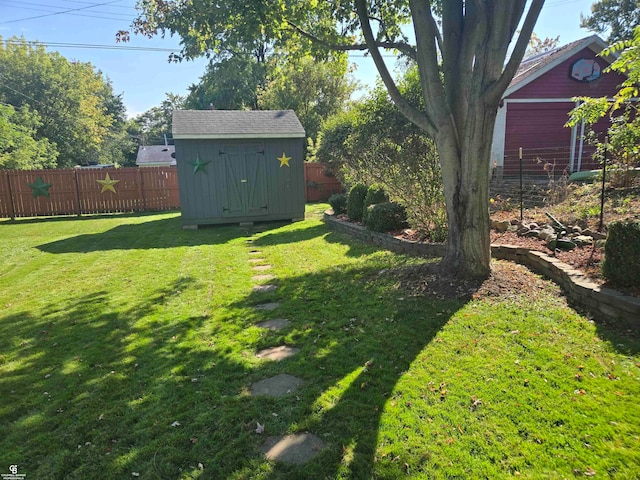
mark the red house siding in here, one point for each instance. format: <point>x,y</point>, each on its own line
<point>538,127</point>
<point>556,83</point>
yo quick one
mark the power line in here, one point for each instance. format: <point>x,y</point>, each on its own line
<point>95,47</point>
<point>59,13</point>
<point>47,8</point>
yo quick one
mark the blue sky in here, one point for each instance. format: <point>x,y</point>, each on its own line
<point>145,76</point>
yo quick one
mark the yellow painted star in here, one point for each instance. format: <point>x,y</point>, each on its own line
<point>107,184</point>
<point>284,160</point>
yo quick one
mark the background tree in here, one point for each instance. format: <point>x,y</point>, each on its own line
<point>619,17</point>
<point>461,51</point>
<point>541,45</point>
<point>153,127</point>
<point>19,150</point>
<point>75,105</point>
<point>314,90</point>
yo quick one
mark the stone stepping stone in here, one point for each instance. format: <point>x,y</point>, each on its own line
<point>262,268</point>
<point>295,449</point>
<point>277,353</point>
<point>261,278</point>
<point>256,260</point>
<point>275,324</point>
<point>255,252</point>
<point>277,386</point>
<point>264,288</point>
<point>267,307</point>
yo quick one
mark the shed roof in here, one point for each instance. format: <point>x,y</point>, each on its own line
<point>155,155</point>
<point>537,65</point>
<point>229,124</point>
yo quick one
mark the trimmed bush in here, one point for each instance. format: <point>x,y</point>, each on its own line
<point>338,202</point>
<point>355,202</point>
<point>375,195</point>
<point>622,258</point>
<point>384,217</point>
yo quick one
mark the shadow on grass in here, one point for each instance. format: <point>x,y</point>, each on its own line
<point>357,337</point>
<point>163,233</point>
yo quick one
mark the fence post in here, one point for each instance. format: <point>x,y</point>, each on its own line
<point>11,203</point>
<point>604,176</point>
<point>77,187</point>
<point>142,206</point>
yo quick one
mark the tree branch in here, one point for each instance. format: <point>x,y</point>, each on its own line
<point>400,46</point>
<point>497,89</point>
<point>413,114</point>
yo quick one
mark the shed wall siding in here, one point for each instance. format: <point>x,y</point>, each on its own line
<point>268,192</point>
<point>557,83</point>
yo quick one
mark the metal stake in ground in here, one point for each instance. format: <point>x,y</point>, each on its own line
<point>604,176</point>
<point>520,154</point>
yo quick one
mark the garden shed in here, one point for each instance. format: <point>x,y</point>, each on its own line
<point>535,108</point>
<point>239,166</point>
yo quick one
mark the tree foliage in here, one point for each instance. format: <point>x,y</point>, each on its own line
<point>466,51</point>
<point>76,107</point>
<point>19,150</point>
<point>373,143</point>
<point>314,90</point>
<point>624,134</point>
<point>619,17</point>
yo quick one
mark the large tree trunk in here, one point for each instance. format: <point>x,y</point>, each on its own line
<point>466,186</point>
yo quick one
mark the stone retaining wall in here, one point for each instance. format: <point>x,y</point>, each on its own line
<point>582,292</point>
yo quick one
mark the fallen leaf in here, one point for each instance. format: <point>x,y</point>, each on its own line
<point>259,428</point>
<point>175,424</point>
<point>590,472</point>
<point>194,440</point>
<point>135,474</point>
<point>200,466</point>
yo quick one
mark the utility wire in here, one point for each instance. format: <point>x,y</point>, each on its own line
<point>59,13</point>
<point>123,18</point>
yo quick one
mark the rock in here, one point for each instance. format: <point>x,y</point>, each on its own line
<point>515,221</point>
<point>512,228</point>
<point>582,240</point>
<point>576,229</point>
<point>502,226</point>
<point>600,243</point>
<point>562,244</point>
<point>594,235</point>
<point>523,231</point>
<point>533,234</point>
<point>534,226</point>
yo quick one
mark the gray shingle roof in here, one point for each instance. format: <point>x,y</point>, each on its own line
<point>155,155</point>
<point>236,124</point>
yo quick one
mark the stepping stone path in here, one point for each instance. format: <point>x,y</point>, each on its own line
<point>264,288</point>
<point>275,324</point>
<point>277,386</point>
<point>267,307</point>
<point>260,278</point>
<point>277,353</point>
<point>295,449</point>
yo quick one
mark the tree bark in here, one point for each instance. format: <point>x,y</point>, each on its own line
<point>465,173</point>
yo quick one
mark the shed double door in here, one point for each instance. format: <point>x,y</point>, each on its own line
<point>245,179</point>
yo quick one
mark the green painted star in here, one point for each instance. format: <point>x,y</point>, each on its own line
<point>40,188</point>
<point>199,165</point>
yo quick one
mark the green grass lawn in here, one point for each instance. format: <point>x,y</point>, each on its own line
<point>112,329</point>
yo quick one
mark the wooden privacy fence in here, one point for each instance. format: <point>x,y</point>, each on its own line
<point>29,193</point>
<point>320,183</point>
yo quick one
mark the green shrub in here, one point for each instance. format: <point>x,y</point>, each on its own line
<point>355,202</point>
<point>384,217</point>
<point>375,195</point>
<point>338,202</point>
<point>622,260</point>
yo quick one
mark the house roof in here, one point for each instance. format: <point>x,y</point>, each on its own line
<point>156,155</point>
<point>228,124</point>
<point>537,65</point>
